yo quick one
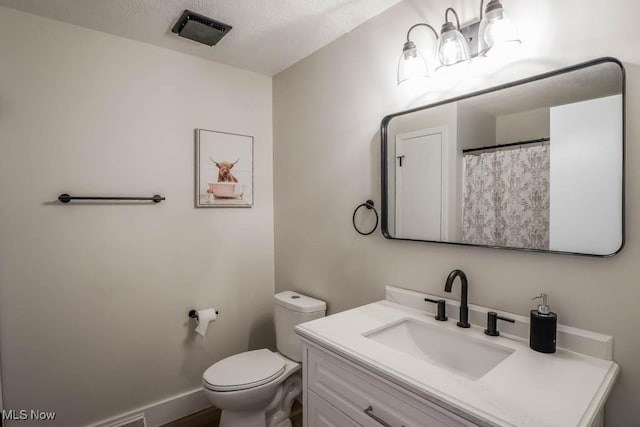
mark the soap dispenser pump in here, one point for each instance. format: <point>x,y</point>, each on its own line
<point>543,327</point>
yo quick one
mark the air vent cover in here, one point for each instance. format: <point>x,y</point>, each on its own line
<point>133,421</point>
<point>200,28</point>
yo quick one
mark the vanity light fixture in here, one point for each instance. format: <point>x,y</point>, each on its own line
<point>494,34</point>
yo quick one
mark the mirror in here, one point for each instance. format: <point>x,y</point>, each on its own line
<point>537,164</point>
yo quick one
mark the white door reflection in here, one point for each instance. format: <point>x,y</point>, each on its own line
<point>420,176</point>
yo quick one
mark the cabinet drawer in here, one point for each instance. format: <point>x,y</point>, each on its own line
<point>322,414</point>
<point>353,391</point>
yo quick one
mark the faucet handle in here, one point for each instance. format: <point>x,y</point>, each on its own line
<point>442,307</point>
<point>492,323</point>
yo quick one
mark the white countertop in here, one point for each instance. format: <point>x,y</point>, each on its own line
<point>526,389</point>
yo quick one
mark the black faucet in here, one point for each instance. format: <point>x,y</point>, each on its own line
<point>464,308</point>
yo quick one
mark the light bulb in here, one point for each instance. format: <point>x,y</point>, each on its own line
<point>497,34</point>
<point>411,64</point>
<point>452,46</point>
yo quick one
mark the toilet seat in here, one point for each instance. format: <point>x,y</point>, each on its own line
<point>244,371</point>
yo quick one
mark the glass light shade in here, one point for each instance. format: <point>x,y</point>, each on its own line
<point>452,46</point>
<point>411,64</point>
<point>497,34</point>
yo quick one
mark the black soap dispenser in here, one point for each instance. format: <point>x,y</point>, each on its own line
<point>543,327</point>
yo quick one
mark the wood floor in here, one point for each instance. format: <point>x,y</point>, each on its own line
<point>211,418</point>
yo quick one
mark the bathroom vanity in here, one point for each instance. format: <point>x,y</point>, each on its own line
<point>377,365</point>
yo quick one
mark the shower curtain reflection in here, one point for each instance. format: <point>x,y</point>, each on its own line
<point>506,198</point>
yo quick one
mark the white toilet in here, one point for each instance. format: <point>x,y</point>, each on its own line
<point>257,388</point>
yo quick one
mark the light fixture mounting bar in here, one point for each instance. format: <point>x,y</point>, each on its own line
<point>470,33</point>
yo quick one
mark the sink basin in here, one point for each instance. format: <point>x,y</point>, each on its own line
<point>449,349</point>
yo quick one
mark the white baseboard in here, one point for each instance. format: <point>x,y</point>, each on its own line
<point>166,410</point>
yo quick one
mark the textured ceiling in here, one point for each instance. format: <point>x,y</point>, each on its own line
<point>267,37</point>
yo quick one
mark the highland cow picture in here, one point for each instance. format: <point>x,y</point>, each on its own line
<point>224,169</point>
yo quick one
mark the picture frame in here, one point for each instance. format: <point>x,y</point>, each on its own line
<point>223,169</point>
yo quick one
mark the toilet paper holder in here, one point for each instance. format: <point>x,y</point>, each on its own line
<point>193,314</point>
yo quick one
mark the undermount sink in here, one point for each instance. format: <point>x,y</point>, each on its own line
<point>449,349</point>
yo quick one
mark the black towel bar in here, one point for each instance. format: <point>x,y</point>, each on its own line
<point>65,198</point>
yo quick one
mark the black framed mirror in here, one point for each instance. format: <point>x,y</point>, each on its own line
<point>534,165</point>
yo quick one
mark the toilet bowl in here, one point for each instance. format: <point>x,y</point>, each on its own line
<point>257,388</point>
<point>254,389</point>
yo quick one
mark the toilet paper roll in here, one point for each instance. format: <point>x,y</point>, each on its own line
<point>205,317</point>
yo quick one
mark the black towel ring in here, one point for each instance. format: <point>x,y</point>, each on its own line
<point>369,205</point>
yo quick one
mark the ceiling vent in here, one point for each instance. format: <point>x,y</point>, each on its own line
<point>200,28</point>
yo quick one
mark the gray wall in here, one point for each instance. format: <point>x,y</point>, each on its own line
<point>523,126</point>
<point>94,299</point>
<point>327,112</point>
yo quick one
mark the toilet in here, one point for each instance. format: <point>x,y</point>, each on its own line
<point>257,388</point>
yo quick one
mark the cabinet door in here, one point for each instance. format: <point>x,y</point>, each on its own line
<point>322,414</point>
<point>368,399</point>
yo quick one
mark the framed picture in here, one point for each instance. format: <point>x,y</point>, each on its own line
<point>224,169</point>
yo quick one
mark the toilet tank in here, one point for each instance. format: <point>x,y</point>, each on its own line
<point>291,309</point>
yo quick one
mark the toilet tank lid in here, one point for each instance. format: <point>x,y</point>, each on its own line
<point>300,303</point>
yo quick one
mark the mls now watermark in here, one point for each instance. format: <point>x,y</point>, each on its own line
<point>27,415</point>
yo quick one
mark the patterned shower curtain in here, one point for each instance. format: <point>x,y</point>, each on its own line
<point>506,198</point>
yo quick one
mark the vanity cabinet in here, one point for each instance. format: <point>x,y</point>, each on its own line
<point>340,393</point>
